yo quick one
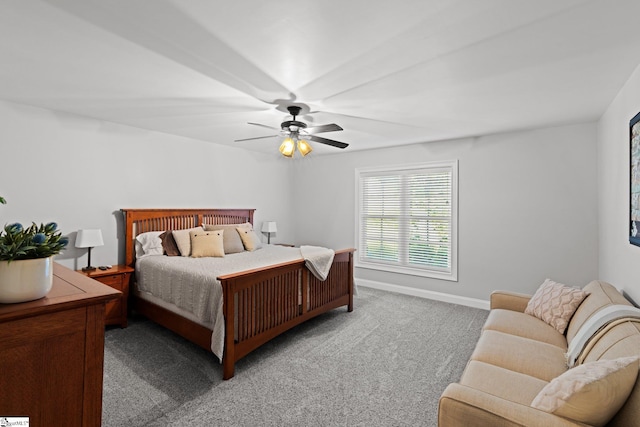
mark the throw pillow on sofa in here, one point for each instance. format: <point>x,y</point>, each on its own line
<point>555,303</point>
<point>591,393</point>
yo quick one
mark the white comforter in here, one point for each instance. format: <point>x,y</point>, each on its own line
<point>191,285</point>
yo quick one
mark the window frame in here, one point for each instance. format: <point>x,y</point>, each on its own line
<point>451,273</point>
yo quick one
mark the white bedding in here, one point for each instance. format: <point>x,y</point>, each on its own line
<point>190,284</point>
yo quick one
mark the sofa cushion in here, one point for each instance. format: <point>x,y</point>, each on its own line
<point>524,355</point>
<point>601,294</point>
<point>506,384</point>
<point>621,340</point>
<point>591,393</point>
<point>555,303</point>
<point>524,325</point>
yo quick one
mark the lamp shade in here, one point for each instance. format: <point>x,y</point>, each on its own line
<point>269,227</point>
<point>89,238</point>
<point>288,147</point>
<point>304,148</point>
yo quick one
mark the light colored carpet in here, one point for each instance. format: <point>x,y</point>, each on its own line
<point>384,364</point>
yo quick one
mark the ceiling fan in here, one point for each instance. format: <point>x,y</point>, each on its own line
<point>297,133</point>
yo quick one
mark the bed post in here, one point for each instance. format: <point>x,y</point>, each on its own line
<point>351,282</point>
<point>228,352</point>
<point>128,238</point>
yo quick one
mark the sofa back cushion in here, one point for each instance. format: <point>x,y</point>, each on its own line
<point>620,341</point>
<point>601,294</point>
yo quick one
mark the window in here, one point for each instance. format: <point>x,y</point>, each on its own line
<point>407,219</point>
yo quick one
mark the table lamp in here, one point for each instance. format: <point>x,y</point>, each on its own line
<point>269,227</point>
<point>89,239</point>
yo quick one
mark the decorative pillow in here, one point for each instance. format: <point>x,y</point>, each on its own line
<point>555,303</point>
<point>183,239</point>
<point>591,393</point>
<point>250,239</point>
<point>232,240</point>
<point>149,244</point>
<point>169,244</point>
<point>207,243</point>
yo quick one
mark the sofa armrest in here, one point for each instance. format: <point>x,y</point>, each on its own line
<point>509,300</point>
<point>465,406</point>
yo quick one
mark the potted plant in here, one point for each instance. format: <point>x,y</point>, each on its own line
<point>26,260</point>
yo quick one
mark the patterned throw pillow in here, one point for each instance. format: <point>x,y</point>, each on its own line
<point>591,393</point>
<point>555,303</point>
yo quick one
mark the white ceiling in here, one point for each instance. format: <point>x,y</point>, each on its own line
<point>389,72</point>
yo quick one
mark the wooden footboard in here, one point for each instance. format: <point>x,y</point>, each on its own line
<point>261,304</point>
<point>258,304</point>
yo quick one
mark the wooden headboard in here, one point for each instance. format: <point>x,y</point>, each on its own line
<point>139,221</point>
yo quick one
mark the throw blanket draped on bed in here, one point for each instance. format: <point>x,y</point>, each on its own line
<point>600,320</point>
<point>318,260</point>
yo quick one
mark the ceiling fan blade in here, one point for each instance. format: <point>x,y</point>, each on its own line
<point>259,137</point>
<point>323,128</point>
<point>328,141</point>
<point>264,126</point>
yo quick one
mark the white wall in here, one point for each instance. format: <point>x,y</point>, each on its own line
<point>618,259</point>
<point>527,199</point>
<point>80,172</point>
<point>527,207</point>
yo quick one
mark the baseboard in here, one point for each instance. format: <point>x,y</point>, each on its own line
<point>438,296</point>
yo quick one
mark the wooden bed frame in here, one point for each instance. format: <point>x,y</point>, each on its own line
<point>266,301</point>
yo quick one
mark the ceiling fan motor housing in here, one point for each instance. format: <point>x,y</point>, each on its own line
<point>294,110</point>
<point>287,125</point>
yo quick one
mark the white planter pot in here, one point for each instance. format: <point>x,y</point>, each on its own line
<point>25,280</point>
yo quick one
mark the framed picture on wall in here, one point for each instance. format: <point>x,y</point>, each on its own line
<point>634,180</point>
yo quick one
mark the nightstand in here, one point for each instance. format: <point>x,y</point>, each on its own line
<point>118,278</point>
<point>289,245</point>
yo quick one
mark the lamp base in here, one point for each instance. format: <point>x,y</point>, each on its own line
<point>88,268</point>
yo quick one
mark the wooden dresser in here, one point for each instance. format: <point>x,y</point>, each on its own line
<point>52,353</point>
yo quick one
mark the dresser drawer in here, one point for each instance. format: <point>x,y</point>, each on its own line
<point>114,281</point>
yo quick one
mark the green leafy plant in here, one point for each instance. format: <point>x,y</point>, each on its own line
<point>36,241</point>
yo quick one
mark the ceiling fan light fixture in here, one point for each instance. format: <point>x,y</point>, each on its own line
<point>287,147</point>
<point>304,148</point>
<point>293,130</point>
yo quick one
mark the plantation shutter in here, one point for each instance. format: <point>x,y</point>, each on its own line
<point>406,218</point>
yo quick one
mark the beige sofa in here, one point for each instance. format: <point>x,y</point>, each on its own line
<point>518,354</point>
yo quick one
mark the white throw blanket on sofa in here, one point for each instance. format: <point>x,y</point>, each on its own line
<point>318,260</point>
<point>595,323</point>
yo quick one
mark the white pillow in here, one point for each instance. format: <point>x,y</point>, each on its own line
<point>591,393</point>
<point>250,239</point>
<point>149,243</point>
<point>183,239</point>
